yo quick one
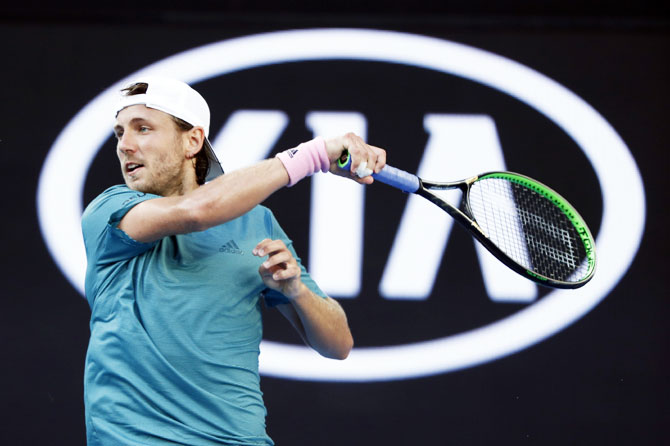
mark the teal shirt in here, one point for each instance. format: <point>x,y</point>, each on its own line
<point>175,330</point>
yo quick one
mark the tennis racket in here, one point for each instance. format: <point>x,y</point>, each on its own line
<point>526,225</point>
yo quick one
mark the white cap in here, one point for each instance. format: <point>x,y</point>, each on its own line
<point>178,99</point>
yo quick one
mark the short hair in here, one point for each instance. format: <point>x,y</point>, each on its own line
<point>201,158</point>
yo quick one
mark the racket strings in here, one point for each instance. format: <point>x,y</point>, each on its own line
<point>528,228</point>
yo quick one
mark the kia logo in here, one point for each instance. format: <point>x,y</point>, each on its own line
<point>59,198</point>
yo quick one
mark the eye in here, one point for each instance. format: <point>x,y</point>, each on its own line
<point>144,129</point>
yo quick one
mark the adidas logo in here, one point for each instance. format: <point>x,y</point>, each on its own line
<point>292,152</point>
<point>231,248</point>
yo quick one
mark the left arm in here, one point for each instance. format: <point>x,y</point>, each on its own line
<point>321,322</point>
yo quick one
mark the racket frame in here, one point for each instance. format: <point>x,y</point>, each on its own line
<point>465,217</point>
<point>411,183</point>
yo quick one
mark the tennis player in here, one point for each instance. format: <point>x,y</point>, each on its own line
<point>180,259</point>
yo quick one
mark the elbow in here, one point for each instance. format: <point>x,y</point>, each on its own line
<point>204,210</point>
<point>341,356</point>
<point>342,352</point>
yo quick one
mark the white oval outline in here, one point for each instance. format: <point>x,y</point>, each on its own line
<point>59,198</point>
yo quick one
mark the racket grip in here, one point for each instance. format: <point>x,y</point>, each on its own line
<point>390,175</point>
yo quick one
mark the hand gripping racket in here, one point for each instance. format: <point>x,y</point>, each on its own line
<point>525,224</point>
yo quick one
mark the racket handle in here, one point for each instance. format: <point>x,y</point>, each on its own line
<point>390,175</point>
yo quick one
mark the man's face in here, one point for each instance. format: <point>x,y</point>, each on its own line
<point>150,150</point>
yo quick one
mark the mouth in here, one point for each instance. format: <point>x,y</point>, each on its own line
<point>133,168</point>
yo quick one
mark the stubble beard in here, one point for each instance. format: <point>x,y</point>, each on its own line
<point>165,178</point>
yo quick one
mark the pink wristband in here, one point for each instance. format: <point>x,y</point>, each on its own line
<point>305,160</point>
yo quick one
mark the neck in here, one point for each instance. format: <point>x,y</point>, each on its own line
<point>186,185</point>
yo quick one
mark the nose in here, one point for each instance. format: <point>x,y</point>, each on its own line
<point>126,143</point>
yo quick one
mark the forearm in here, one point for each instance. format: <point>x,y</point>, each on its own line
<point>324,324</point>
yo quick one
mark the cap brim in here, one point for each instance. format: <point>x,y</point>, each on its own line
<point>215,169</point>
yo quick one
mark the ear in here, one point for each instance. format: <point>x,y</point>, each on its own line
<point>195,139</point>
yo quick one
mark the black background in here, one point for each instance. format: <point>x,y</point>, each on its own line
<point>602,380</point>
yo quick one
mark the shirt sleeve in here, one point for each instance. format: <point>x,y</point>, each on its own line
<point>272,297</point>
<point>105,242</point>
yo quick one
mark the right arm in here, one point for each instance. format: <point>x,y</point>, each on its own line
<point>225,198</point>
<point>234,194</point>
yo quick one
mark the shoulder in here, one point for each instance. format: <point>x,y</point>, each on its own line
<point>115,193</point>
<point>259,221</point>
<point>115,198</point>
<point>265,215</point>
<point>263,211</point>
<point>258,213</point>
